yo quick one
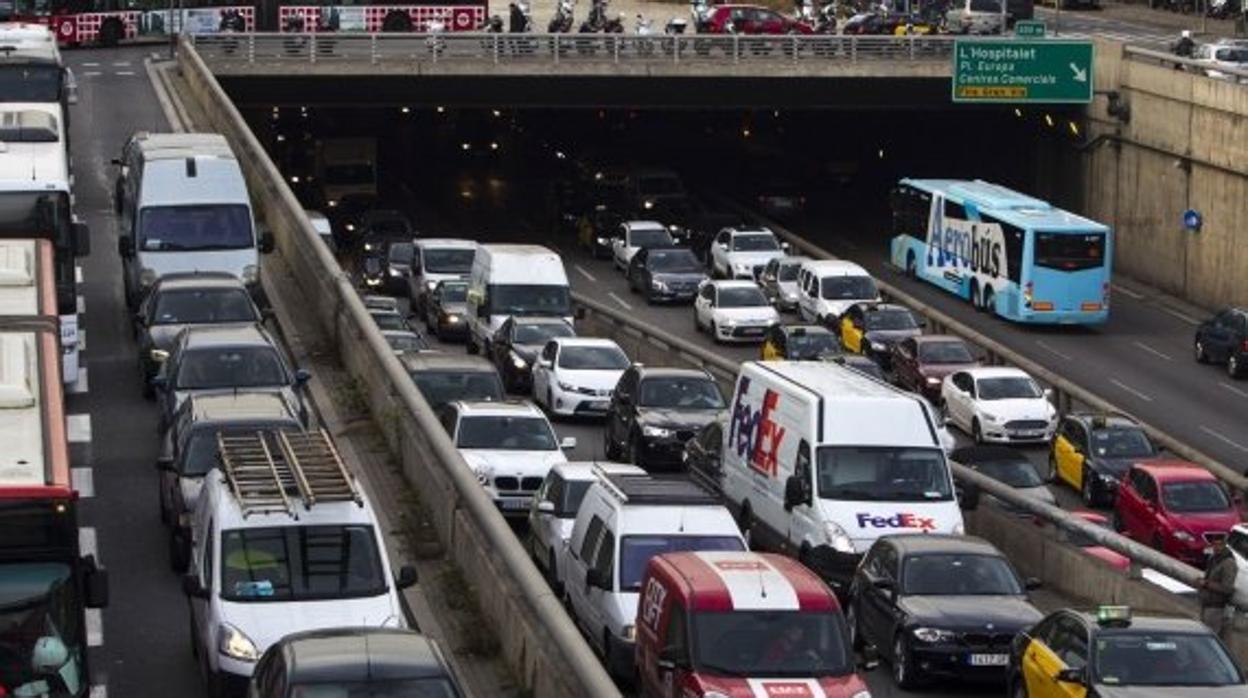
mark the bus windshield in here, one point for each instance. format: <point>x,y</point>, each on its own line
<point>37,605</point>
<point>29,82</point>
<point>1070,251</point>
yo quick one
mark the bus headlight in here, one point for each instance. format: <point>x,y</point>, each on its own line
<point>234,644</point>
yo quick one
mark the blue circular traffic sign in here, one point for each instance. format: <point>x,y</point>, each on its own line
<point>1192,219</point>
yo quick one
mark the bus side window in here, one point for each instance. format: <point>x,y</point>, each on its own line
<point>910,211</point>
<point>954,210</point>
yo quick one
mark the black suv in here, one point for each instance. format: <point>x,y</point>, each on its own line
<point>1223,338</point>
<point>654,411</point>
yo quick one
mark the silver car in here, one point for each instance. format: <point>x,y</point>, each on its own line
<point>975,17</point>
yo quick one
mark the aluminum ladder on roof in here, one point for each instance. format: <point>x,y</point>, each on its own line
<point>258,481</point>
<point>263,468</point>
<point>318,470</point>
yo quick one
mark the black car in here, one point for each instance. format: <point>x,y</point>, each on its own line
<point>446,311</point>
<point>178,301</point>
<point>1006,465</point>
<point>354,661</point>
<point>1092,451</point>
<point>665,274</point>
<point>654,411</point>
<point>399,255</point>
<point>516,344</point>
<point>443,378</point>
<point>345,217</point>
<point>799,343</point>
<point>939,606</point>
<point>703,452</point>
<point>1223,338</point>
<point>871,329</point>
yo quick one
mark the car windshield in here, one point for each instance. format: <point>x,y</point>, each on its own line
<point>529,299</point>
<point>1162,659</point>
<point>848,287</point>
<point>288,563</point>
<point>501,433</point>
<point>574,492</point>
<point>1008,388</point>
<point>636,551</point>
<point>540,332</point>
<point>389,320</point>
<point>788,272</point>
<point>741,297</point>
<point>406,341</point>
<point>233,367</point>
<point>1194,497</point>
<point>650,237</point>
<point>433,687</point>
<point>944,353</point>
<point>440,387</point>
<point>674,262</point>
<point>1121,442</point>
<point>891,319</point>
<point>448,260</point>
<point>1015,473</point>
<point>195,228</point>
<point>38,601</point>
<point>401,252</point>
<point>883,473</point>
<point>604,358</point>
<point>680,393</point>
<point>659,186</point>
<point>957,574</point>
<point>771,644</point>
<point>812,344</point>
<point>454,293</point>
<point>195,306</point>
<point>758,242</point>
<point>1070,251</point>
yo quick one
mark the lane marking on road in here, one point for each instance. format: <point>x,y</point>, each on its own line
<point>78,273</point>
<point>99,690</point>
<point>1043,345</point>
<point>92,74</point>
<point>127,73</point>
<point>83,481</point>
<point>1154,352</point>
<point>619,300</point>
<point>81,385</point>
<point>1180,315</point>
<point>95,628</point>
<point>91,64</point>
<point>1224,438</point>
<point>1233,389</point>
<point>82,345</point>
<point>82,304</point>
<point>88,542</point>
<point>121,64</point>
<point>1131,390</point>
<point>1127,292</point>
<point>584,273</point>
<point>78,426</point>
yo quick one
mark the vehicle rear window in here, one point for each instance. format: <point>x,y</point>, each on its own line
<point>812,345</point>
<point>985,6</point>
<point>1070,251</point>
<point>955,574</point>
<point>1121,442</point>
<point>680,393</point>
<point>892,319</point>
<point>848,287</point>
<point>238,367</point>
<point>440,387</point>
<point>193,306</point>
<point>204,227</point>
<point>742,297</point>
<point>401,252</point>
<point>539,332</point>
<point>761,242</point>
<point>636,551</point>
<point>288,563</point>
<point>945,353</point>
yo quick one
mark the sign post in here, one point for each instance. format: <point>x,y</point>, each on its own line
<point>1026,71</point>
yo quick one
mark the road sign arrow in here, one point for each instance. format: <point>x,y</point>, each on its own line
<point>1081,75</point>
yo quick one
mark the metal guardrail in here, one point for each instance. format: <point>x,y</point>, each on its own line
<point>464,47</point>
<point>1188,64</point>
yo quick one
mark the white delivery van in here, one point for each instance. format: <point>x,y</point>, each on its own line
<point>519,280</point>
<point>820,460</point>
<point>826,288</point>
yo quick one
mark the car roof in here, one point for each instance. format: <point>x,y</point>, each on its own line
<point>442,361</point>
<point>455,243</point>
<point>649,372</point>
<point>1144,624</point>
<point>750,230</point>
<point>870,307</point>
<point>239,334</point>
<point>239,406</point>
<point>808,329</point>
<point>584,470</point>
<point>1172,469</point>
<point>934,338</point>
<point>1111,420</point>
<point>920,543</point>
<point>978,372</point>
<point>644,225</point>
<point>197,280</point>
<point>360,654</point>
<point>538,320</point>
<point>733,283</point>
<point>824,267</point>
<point>745,581</point>
<point>497,408</point>
<point>583,342</point>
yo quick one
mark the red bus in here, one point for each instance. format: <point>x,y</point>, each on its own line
<point>46,583</point>
<point>305,16</point>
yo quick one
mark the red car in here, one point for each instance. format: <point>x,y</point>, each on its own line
<point>921,363</point>
<point>1114,559</point>
<point>751,19</point>
<point>1176,507</point>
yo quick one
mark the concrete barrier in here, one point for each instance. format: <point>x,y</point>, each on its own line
<point>538,640</point>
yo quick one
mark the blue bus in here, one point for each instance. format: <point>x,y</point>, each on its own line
<point>1004,252</point>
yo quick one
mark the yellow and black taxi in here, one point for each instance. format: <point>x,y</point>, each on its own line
<point>799,342</point>
<point>1091,452</point>
<point>871,329</point>
<point>1109,654</point>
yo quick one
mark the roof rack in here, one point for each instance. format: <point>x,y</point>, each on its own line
<point>645,489</point>
<point>266,467</point>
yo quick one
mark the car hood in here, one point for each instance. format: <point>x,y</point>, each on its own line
<point>891,337</point>
<point>597,380</point>
<point>267,622</point>
<point>1211,522</point>
<point>1170,691</point>
<point>762,313</point>
<point>994,613</point>
<point>1023,408</point>
<point>754,258</point>
<point>454,308</point>
<point>941,370</point>
<point>681,419</point>
<point>518,463</point>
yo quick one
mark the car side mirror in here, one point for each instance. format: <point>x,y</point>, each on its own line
<point>546,507</point>
<point>567,443</point>
<point>125,247</point>
<point>1032,583</point>
<point>1048,393</point>
<point>265,241</point>
<point>192,587</point>
<point>579,313</point>
<point>594,578</point>
<point>96,585</point>
<point>302,376</point>
<point>159,356</point>
<point>545,363</point>
<point>82,239</point>
<point>407,577</point>
<point>1071,675</point>
<point>794,493</point>
<point>785,247</point>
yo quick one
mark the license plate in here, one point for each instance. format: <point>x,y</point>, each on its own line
<point>514,504</point>
<point>598,405</point>
<point>1028,434</point>
<point>748,331</point>
<point>989,659</point>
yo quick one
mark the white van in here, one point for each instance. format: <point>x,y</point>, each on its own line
<point>507,280</point>
<point>826,288</point>
<point>820,460</point>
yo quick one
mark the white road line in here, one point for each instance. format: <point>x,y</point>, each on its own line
<point>1154,352</point>
<point>79,428</point>
<point>1182,316</point>
<point>584,273</point>
<point>79,386</point>
<point>82,342</point>
<point>88,544</point>
<point>1043,345</point>
<point>95,628</point>
<point>128,73</point>
<point>619,300</point>
<point>82,304</point>
<point>99,690</point>
<point>92,74</point>
<point>1233,389</point>
<point>1224,439</point>
<point>1131,390</point>
<point>121,64</point>
<point>83,481</point>
<point>1127,292</point>
<point>78,273</point>
<point>92,64</point>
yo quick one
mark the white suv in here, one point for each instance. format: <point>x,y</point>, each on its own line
<point>624,521</point>
<point>509,446</point>
<point>286,543</point>
<point>742,253</point>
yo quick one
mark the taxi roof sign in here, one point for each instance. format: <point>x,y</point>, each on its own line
<point>1113,615</point>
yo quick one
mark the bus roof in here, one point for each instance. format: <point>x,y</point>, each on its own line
<point>1007,205</point>
<point>19,294</point>
<point>32,161</point>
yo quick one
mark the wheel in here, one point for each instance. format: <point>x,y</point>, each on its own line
<point>903,673</point>
<point>1233,369</point>
<point>636,455</point>
<point>649,295</point>
<point>1052,474</point>
<point>912,267</point>
<point>1202,357</point>
<point>396,21</point>
<point>851,620</point>
<point>973,294</point>
<point>990,300</point>
<point>111,32</point>
<point>1085,490</point>
<point>165,516</point>
<point>976,432</point>
<point>608,446</point>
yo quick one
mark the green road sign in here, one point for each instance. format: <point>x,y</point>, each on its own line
<point>1022,71</point>
<point>1029,29</point>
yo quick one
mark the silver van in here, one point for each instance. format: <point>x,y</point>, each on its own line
<point>183,207</point>
<point>974,17</point>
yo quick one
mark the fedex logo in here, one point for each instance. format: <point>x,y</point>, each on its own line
<point>755,431</point>
<point>897,521</point>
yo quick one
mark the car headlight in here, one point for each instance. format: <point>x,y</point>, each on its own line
<point>658,285</point>
<point>657,432</point>
<point>452,318</point>
<point>838,539</point>
<point>372,281</point>
<point>350,227</point>
<point>932,380</point>
<point>430,285</point>
<point>147,277</point>
<point>932,635</point>
<point>251,274</point>
<point>879,346</point>
<point>482,473</point>
<point>604,242</point>
<point>566,387</point>
<point>1184,536</point>
<point>629,633</point>
<point>728,323</point>
<point>368,246</point>
<point>518,361</point>
<point>647,204</point>
<point>234,644</point>
<point>394,272</point>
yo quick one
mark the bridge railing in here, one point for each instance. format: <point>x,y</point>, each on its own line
<point>570,48</point>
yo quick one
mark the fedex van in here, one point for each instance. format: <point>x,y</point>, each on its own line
<point>513,280</point>
<point>819,460</point>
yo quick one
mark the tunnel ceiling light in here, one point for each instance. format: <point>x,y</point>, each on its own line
<point>1018,112</point>
<point>1048,119</point>
<point>1074,129</point>
<point>497,113</point>
<point>465,146</point>
<point>406,110</point>
<point>881,153</point>
<point>493,146</point>
<point>281,138</point>
<point>745,133</point>
<point>441,110</point>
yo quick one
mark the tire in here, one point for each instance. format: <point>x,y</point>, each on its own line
<point>990,300</point>
<point>1198,347</point>
<point>111,32</point>
<point>636,455</point>
<point>1086,493</point>
<point>912,267</point>
<point>973,294</point>
<point>1158,544</point>
<point>1233,368</point>
<point>179,554</point>
<point>551,577</point>
<point>1052,474</point>
<point>851,621</point>
<point>903,673</point>
<point>977,433</point>
<point>396,21</point>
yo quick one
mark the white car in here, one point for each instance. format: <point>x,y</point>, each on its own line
<point>634,235</point>
<point>1237,542</point>
<point>999,404</point>
<point>826,288</point>
<point>553,510</point>
<point>733,311</point>
<point>743,253</point>
<point>1224,54</point>
<point>576,375</point>
<point>509,445</point>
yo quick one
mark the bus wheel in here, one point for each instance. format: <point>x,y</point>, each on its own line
<point>990,300</point>
<point>973,294</point>
<point>912,267</point>
<point>396,21</point>
<point>111,32</point>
